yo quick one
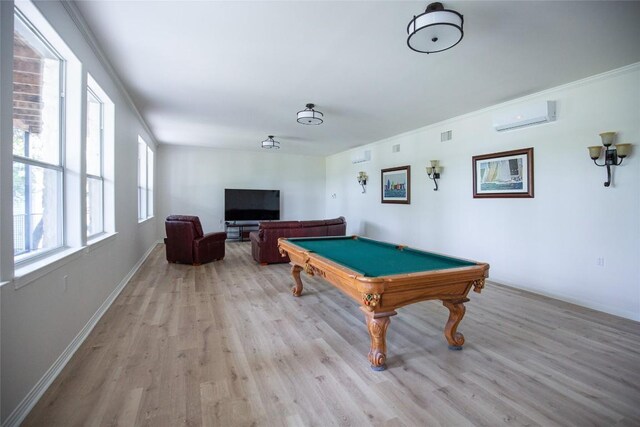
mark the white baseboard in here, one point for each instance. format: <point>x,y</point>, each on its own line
<point>571,299</point>
<point>22,410</point>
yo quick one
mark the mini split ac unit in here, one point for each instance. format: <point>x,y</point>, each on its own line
<point>524,115</point>
<point>360,156</point>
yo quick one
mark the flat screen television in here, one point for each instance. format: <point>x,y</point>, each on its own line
<point>251,205</point>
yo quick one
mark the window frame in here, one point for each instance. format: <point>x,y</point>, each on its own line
<point>30,256</point>
<point>145,187</point>
<point>150,181</point>
<point>100,177</point>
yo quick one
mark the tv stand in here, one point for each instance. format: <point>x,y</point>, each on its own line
<point>239,231</point>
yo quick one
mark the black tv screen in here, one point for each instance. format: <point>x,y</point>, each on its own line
<point>251,205</point>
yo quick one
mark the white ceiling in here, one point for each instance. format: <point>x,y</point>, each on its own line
<point>227,74</point>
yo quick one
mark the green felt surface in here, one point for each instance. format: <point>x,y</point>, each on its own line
<point>374,259</point>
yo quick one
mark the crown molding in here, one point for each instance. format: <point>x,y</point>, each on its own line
<point>76,16</point>
<point>634,67</point>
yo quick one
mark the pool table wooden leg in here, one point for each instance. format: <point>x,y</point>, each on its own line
<point>456,313</point>
<point>377,323</point>
<point>295,272</point>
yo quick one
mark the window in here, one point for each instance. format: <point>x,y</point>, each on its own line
<point>149,182</point>
<point>145,180</point>
<point>99,160</point>
<point>94,154</point>
<point>38,116</point>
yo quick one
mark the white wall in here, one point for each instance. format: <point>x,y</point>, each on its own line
<point>40,319</point>
<point>6,179</point>
<point>548,244</point>
<point>191,181</point>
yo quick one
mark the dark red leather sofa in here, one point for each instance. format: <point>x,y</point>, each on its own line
<point>187,244</point>
<point>264,241</point>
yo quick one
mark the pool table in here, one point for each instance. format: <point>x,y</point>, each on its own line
<point>383,277</point>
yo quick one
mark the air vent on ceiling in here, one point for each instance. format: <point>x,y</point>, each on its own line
<point>446,136</point>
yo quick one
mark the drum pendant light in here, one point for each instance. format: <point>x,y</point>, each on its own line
<point>435,30</point>
<point>309,116</point>
<point>270,143</point>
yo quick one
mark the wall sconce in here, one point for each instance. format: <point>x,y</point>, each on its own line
<point>362,180</point>
<point>434,172</point>
<point>611,155</point>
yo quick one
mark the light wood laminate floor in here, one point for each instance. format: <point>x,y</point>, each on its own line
<point>226,344</point>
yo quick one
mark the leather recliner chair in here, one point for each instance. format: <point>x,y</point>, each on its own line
<point>187,244</point>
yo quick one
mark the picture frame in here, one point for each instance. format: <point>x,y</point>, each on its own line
<point>395,186</point>
<point>508,174</point>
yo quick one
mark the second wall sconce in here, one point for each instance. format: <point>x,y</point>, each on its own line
<point>611,155</point>
<point>434,172</point>
<point>362,180</point>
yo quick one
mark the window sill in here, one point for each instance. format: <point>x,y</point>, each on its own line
<point>35,270</point>
<point>99,241</point>
<point>142,221</point>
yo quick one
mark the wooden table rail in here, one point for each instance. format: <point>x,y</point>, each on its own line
<point>383,277</point>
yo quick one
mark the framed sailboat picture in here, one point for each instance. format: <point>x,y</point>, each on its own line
<point>505,174</point>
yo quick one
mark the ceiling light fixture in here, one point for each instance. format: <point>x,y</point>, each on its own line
<point>270,143</point>
<point>435,30</point>
<point>309,116</point>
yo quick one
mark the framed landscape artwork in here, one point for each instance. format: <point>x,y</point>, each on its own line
<point>505,174</point>
<point>396,185</point>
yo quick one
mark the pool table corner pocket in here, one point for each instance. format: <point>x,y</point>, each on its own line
<point>370,300</point>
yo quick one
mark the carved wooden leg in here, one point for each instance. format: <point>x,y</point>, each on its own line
<point>295,272</point>
<point>377,323</point>
<point>456,313</point>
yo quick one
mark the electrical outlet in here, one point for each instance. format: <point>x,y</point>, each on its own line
<point>600,262</point>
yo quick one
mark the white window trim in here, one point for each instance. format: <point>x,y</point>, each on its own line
<point>108,174</point>
<point>100,177</point>
<point>42,266</point>
<point>99,241</point>
<point>146,187</point>
<point>31,268</point>
<point>32,19</point>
